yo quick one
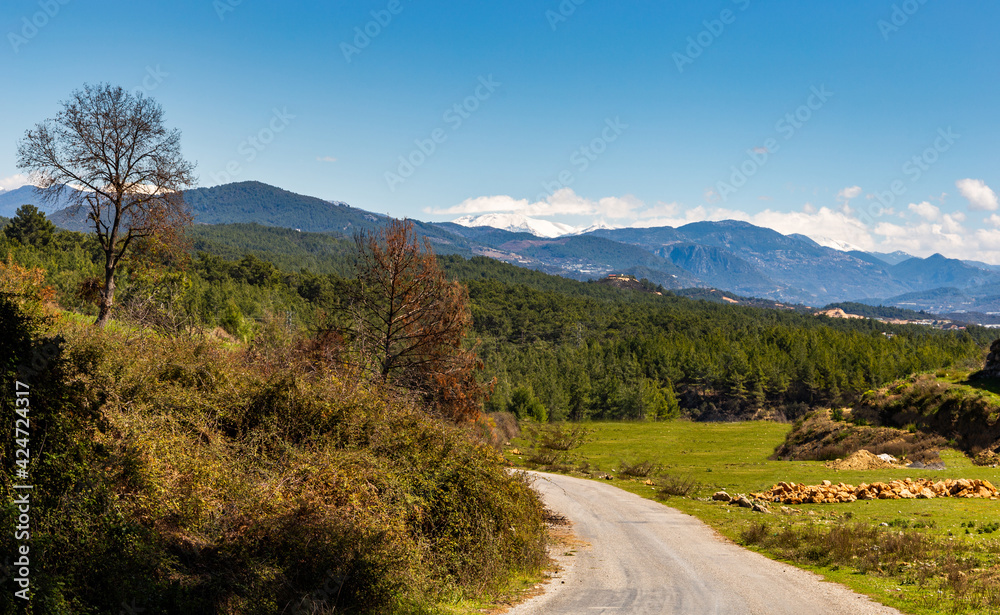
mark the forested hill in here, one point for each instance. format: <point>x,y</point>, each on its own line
<point>556,347</point>
<point>628,355</point>
<point>253,201</point>
<point>590,350</point>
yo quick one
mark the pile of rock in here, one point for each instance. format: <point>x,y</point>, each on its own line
<point>828,493</point>
<point>740,500</point>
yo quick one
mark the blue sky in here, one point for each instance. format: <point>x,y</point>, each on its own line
<point>867,122</point>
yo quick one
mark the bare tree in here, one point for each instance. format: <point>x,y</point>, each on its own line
<point>110,150</point>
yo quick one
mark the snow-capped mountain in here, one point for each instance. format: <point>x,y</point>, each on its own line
<point>517,223</point>
<point>597,226</point>
<point>836,244</point>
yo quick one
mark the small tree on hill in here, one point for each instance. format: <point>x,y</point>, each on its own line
<point>407,322</point>
<point>30,227</point>
<point>126,169</point>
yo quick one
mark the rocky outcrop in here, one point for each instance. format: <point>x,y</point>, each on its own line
<point>992,368</point>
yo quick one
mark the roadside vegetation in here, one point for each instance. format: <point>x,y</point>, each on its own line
<point>188,472</point>
<point>921,556</point>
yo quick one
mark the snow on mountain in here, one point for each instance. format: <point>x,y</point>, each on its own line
<point>597,226</point>
<point>517,223</point>
<point>836,244</point>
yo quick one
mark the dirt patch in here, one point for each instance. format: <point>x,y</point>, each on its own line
<point>563,545</point>
<point>818,437</point>
<point>861,460</point>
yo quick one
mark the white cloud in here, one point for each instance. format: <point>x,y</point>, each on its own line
<point>948,238</point>
<point>979,195</point>
<point>989,240</point>
<point>325,159</point>
<point>847,194</point>
<point>13,182</point>
<point>925,210</point>
<point>952,224</point>
<point>661,210</point>
<point>824,222</point>
<point>563,202</point>
<point>993,219</point>
<point>619,207</point>
<point>483,204</point>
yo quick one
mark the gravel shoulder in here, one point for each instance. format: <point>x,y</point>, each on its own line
<point>641,557</point>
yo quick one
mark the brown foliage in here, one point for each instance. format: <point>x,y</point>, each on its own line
<point>27,287</point>
<point>407,324</point>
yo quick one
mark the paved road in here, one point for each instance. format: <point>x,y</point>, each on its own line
<point>645,558</point>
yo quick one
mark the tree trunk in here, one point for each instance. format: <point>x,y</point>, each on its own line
<point>107,298</point>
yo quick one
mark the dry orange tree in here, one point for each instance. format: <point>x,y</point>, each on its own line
<point>408,322</point>
<point>109,150</point>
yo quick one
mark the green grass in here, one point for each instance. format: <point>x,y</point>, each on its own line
<point>734,457</point>
<point>960,379</point>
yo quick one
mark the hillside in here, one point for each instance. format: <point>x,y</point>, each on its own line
<point>719,268</point>
<point>879,311</point>
<point>256,202</point>
<point>913,417</point>
<point>729,255</point>
<point>948,405</point>
<point>10,200</point>
<point>198,476</point>
<point>582,349</point>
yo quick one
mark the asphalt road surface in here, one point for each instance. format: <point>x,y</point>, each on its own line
<point>640,557</point>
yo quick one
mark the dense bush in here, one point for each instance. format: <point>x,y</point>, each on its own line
<point>183,477</point>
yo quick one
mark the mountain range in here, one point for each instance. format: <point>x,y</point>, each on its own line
<point>517,223</point>
<point>729,255</point>
<point>10,200</point>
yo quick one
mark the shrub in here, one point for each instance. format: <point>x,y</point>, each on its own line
<point>524,405</point>
<point>682,486</point>
<point>637,469</point>
<point>755,533</point>
<point>550,445</point>
<point>195,479</point>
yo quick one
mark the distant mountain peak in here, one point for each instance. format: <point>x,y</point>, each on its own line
<point>836,244</point>
<point>518,223</point>
<point>10,200</point>
<point>600,225</point>
<point>892,258</point>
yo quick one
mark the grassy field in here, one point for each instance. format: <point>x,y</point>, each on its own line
<point>950,559</point>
